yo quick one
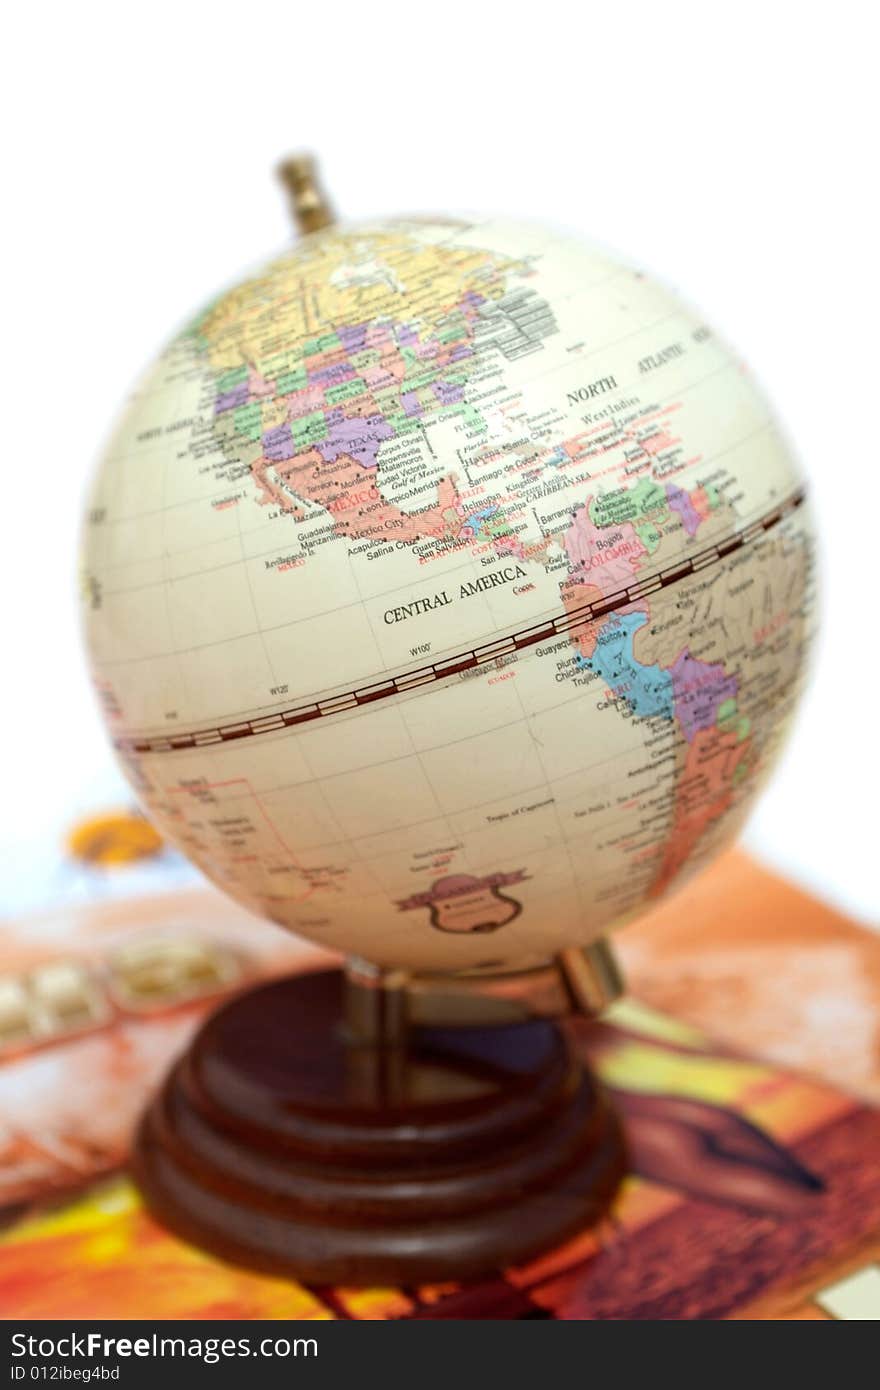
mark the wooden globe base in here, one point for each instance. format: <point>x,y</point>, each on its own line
<point>278,1144</point>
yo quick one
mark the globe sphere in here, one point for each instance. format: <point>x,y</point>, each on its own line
<point>447,588</point>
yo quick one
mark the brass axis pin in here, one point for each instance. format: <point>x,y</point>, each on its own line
<point>308,202</point>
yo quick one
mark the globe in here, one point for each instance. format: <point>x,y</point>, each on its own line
<point>447,587</point>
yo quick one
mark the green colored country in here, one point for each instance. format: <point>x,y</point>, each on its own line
<point>453,334</point>
<point>249,420</point>
<point>649,536</point>
<point>309,429</point>
<point>713,496</point>
<point>628,504</point>
<point>228,380</point>
<point>729,720</point>
<point>327,342</point>
<point>334,394</point>
<point>368,357</point>
<point>416,383</point>
<point>296,380</point>
<point>726,712</point>
<point>472,418</point>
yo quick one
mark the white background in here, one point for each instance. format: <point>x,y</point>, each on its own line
<point>731,150</point>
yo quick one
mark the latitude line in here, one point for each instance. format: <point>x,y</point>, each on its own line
<point>565,624</point>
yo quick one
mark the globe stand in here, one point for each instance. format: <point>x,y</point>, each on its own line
<point>361,1127</point>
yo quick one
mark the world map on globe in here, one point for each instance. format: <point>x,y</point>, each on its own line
<point>447,588</point>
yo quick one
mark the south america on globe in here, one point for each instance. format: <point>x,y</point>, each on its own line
<point>447,588</point>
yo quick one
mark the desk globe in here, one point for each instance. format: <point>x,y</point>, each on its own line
<point>447,588</point>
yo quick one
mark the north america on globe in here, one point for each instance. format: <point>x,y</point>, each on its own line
<point>447,588</point>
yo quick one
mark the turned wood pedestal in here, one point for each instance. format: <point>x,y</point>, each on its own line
<point>280,1143</point>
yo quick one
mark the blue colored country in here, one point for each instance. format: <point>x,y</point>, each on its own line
<point>647,690</point>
